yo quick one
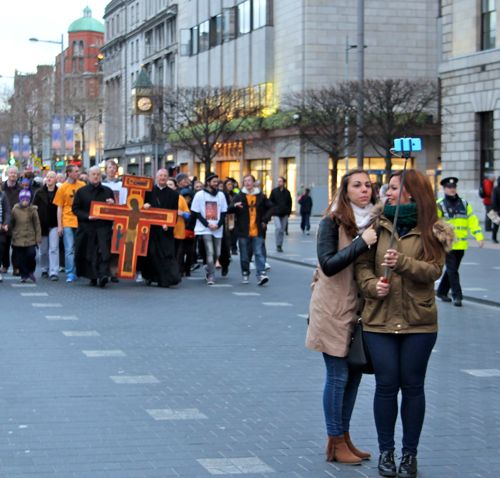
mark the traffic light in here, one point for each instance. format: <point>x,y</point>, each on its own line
<point>12,160</point>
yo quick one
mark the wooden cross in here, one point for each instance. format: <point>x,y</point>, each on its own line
<point>131,223</point>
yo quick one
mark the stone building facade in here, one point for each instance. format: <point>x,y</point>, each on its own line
<point>470,78</point>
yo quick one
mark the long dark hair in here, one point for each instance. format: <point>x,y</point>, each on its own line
<point>343,213</point>
<point>419,188</point>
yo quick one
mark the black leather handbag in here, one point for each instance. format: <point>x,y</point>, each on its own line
<point>358,358</point>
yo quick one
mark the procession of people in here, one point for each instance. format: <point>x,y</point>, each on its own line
<point>214,221</point>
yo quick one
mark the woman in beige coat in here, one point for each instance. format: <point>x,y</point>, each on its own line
<point>400,315</point>
<point>344,234</point>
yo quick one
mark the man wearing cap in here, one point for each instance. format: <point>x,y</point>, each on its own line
<point>457,212</point>
<point>210,207</point>
<point>183,181</point>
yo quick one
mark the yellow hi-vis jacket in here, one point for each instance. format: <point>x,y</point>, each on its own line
<point>460,215</point>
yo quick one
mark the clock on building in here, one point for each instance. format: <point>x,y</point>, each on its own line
<point>144,104</point>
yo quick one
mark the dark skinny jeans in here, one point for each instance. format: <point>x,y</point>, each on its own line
<point>339,394</point>
<point>400,363</point>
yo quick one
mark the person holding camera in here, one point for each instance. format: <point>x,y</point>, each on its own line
<point>400,314</point>
<point>343,235</point>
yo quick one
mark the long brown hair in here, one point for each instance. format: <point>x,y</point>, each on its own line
<point>419,188</point>
<point>343,213</point>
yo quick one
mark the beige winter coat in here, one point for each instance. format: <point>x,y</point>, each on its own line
<point>333,308</point>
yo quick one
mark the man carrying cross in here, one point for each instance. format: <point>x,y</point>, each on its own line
<point>160,264</point>
<point>93,237</point>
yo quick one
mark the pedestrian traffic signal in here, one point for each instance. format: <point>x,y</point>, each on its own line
<point>12,161</point>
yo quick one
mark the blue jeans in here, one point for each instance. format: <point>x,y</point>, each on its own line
<point>69,234</point>
<point>339,394</point>
<point>255,244</point>
<point>400,363</point>
<point>212,249</point>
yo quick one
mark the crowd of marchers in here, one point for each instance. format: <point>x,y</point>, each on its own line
<point>48,221</point>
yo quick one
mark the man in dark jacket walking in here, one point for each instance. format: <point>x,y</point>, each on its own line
<point>252,211</point>
<point>282,201</point>
<point>306,205</point>
<point>11,188</point>
<point>47,213</point>
<point>93,236</point>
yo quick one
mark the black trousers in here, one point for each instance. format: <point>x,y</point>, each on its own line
<point>451,277</point>
<point>25,258</point>
<point>6,257</point>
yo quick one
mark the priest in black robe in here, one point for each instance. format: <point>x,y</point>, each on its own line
<point>160,266</point>
<point>93,236</point>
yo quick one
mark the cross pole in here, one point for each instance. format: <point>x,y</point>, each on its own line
<point>131,223</point>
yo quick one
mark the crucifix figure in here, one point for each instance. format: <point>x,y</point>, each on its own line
<point>131,223</point>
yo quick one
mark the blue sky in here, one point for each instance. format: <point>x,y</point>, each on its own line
<point>47,20</point>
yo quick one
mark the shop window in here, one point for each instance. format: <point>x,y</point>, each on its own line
<point>261,170</point>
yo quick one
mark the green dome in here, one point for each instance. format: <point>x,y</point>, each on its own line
<point>86,23</point>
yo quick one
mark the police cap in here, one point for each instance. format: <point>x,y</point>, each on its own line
<point>450,181</point>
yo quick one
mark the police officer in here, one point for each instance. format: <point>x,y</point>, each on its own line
<point>457,212</point>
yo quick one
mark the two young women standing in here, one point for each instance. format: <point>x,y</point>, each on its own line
<point>399,315</point>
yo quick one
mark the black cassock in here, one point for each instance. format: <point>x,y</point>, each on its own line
<point>93,237</point>
<point>160,265</point>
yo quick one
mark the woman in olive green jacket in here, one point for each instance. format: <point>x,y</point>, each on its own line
<point>400,315</point>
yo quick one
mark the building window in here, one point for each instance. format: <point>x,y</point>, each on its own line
<point>488,24</point>
<point>261,14</point>
<point>229,24</point>
<point>171,26</point>
<point>486,142</point>
<point>204,32</point>
<point>244,19</point>
<point>216,30</point>
<point>194,40</point>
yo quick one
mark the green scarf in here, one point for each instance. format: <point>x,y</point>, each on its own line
<point>407,217</point>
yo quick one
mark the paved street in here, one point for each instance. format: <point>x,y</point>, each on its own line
<point>134,381</point>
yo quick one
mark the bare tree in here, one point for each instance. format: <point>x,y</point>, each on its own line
<point>200,119</point>
<point>322,116</point>
<point>397,108</point>
<point>85,112</point>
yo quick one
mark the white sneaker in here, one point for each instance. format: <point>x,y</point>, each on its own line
<point>267,266</point>
<point>245,279</point>
<point>252,266</point>
<point>263,279</point>
<point>139,277</point>
<point>1,278</point>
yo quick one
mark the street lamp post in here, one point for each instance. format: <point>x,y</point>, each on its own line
<point>346,115</point>
<point>61,104</point>
<point>360,153</point>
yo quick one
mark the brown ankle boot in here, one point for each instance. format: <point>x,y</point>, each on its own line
<point>364,455</point>
<point>329,452</point>
<point>341,452</point>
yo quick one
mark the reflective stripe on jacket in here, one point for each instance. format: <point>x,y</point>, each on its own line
<point>463,220</point>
